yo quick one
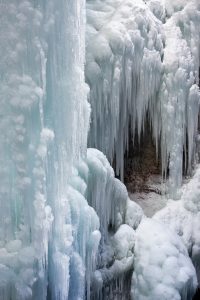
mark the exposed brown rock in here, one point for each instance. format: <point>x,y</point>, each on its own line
<point>141,163</point>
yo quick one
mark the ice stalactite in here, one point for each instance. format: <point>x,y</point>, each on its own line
<point>179,95</point>
<point>124,44</point>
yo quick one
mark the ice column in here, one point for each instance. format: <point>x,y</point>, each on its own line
<point>45,239</point>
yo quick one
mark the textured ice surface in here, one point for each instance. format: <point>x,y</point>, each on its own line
<point>162,267</point>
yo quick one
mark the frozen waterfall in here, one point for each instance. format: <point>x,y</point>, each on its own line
<point>46,241</point>
<point>77,74</point>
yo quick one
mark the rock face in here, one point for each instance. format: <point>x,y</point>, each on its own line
<point>197,295</point>
<point>141,163</point>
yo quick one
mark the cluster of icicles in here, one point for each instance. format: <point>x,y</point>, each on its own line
<point>142,63</point>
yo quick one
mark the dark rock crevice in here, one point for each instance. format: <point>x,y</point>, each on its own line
<point>141,162</point>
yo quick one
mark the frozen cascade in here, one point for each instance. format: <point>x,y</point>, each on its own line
<point>45,240</point>
<point>179,95</point>
<point>124,44</point>
<point>143,59</point>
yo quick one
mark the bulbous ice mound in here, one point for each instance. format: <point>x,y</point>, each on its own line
<point>183,218</point>
<point>162,267</point>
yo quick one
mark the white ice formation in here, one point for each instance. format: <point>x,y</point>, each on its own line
<point>48,232</point>
<point>68,230</point>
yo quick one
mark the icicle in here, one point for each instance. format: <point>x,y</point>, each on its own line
<point>123,70</point>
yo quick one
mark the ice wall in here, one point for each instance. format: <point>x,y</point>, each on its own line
<point>48,232</point>
<point>142,62</point>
